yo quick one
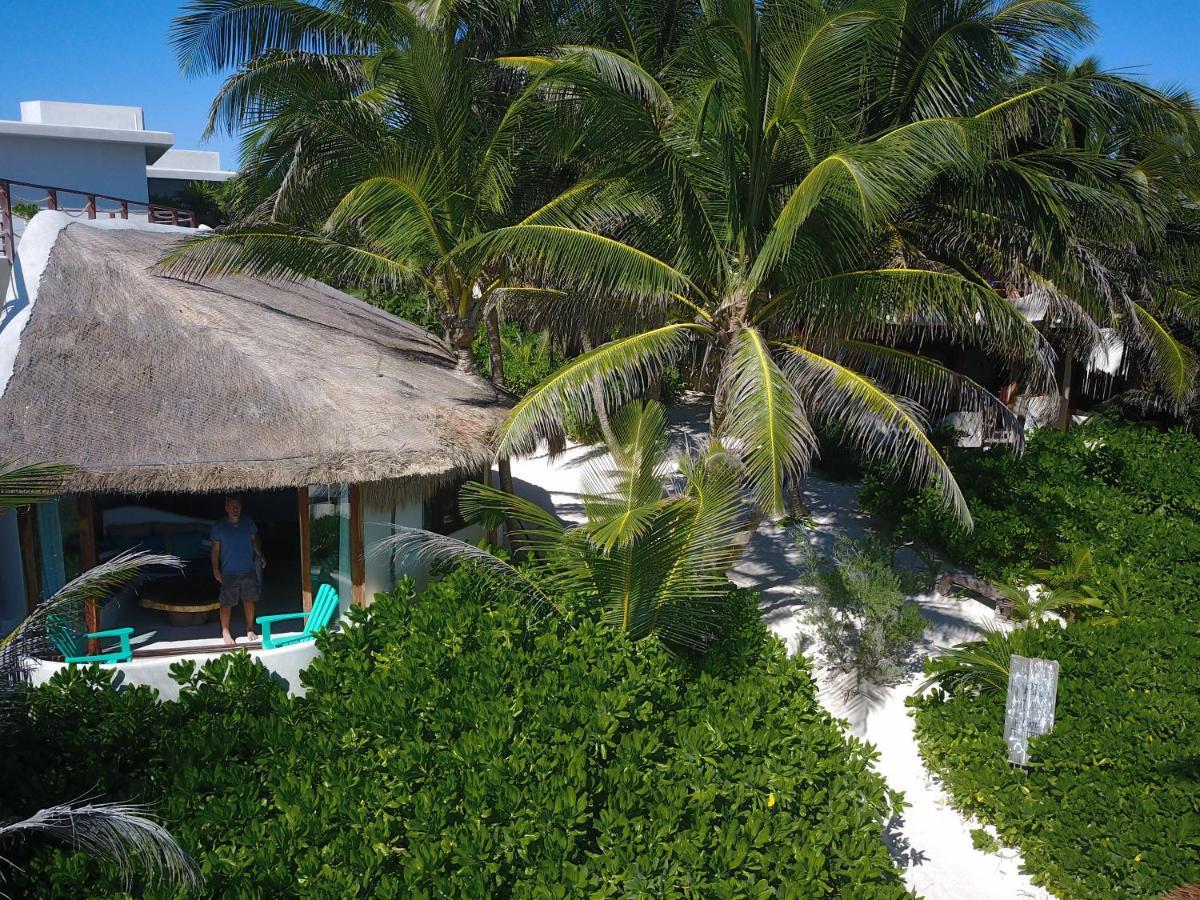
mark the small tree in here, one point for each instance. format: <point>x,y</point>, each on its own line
<point>653,553</point>
<point>865,622</point>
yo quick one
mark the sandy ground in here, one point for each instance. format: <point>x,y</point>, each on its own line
<point>931,841</point>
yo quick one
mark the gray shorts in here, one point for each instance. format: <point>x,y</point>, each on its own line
<point>237,589</point>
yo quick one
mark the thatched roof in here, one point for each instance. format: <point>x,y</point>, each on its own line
<point>148,383</point>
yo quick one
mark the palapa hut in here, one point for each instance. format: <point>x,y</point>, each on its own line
<point>333,419</point>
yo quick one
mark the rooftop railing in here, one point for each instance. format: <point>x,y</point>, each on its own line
<point>95,206</point>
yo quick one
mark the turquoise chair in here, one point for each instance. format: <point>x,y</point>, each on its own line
<point>73,646</point>
<point>323,609</point>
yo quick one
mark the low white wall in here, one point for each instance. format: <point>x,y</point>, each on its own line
<point>286,663</point>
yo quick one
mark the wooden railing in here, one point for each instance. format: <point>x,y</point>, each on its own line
<point>154,212</point>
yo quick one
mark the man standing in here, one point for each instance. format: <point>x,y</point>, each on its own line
<point>235,548</point>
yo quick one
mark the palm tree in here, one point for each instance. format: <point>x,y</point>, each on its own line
<point>653,560</point>
<point>379,139</point>
<point>119,832</point>
<point>751,196</point>
<point>1098,207</point>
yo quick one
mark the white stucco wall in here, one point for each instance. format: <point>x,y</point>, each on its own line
<point>118,169</point>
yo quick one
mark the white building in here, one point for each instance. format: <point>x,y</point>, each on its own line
<point>98,149</point>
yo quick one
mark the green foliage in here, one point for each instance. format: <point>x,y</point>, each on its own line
<point>865,622</point>
<point>653,555</point>
<point>1111,803</point>
<point>526,357</point>
<point>450,748</point>
<point>981,840</point>
<point>25,210</point>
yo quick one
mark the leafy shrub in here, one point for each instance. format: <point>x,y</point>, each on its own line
<point>1111,804</point>
<point>864,620</point>
<point>981,840</point>
<point>25,210</point>
<point>527,357</point>
<point>446,748</point>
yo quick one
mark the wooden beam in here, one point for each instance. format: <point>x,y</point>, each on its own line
<point>358,562</point>
<point>1063,420</point>
<point>29,547</point>
<point>86,506</point>
<point>306,585</point>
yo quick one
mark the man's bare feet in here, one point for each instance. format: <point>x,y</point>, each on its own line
<point>228,639</point>
<point>251,636</point>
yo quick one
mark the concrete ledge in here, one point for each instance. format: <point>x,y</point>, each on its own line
<point>286,663</point>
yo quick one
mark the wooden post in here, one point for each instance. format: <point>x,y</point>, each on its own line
<point>91,206</point>
<point>88,559</point>
<point>51,198</point>
<point>29,543</point>
<point>1064,392</point>
<point>124,209</point>
<point>358,562</point>
<point>1032,692</point>
<point>306,585</point>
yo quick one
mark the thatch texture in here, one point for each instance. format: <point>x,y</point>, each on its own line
<point>150,383</point>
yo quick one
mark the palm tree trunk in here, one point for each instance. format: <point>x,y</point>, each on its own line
<point>1064,392</point>
<point>495,348</point>
<point>504,464</point>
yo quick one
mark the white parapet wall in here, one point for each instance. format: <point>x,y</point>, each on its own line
<point>285,663</point>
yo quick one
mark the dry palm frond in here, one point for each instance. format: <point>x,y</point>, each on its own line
<point>118,832</point>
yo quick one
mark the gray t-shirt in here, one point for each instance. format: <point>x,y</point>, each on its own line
<point>237,553</point>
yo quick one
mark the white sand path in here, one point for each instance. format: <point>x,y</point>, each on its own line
<point>931,841</point>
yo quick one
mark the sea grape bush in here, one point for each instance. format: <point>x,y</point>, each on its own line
<point>451,748</point>
<point>1111,805</point>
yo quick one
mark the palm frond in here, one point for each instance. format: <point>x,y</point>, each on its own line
<point>981,666</point>
<point>31,639</point>
<point>1174,364</point>
<point>492,507</point>
<point>591,262</point>
<point>762,418</point>
<point>120,833</point>
<point>937,389</point>
<point>875,421</point>
<point>622,496</point>
<point>21,485</point>
<point>426,547</point>
<point>624,366</point>
<point>283,252</point>
<point>893,304</point>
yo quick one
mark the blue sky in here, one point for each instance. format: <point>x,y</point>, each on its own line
<point>116,51</point>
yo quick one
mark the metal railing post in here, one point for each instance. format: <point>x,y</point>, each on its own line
<point>6,224</point>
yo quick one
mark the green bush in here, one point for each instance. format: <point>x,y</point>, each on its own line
<point>1110,806</point>
<point>864,621</point>
<point>446,748</point>
<point>527,357</point>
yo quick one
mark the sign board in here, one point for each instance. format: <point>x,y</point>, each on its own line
<point>1032,693</point>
